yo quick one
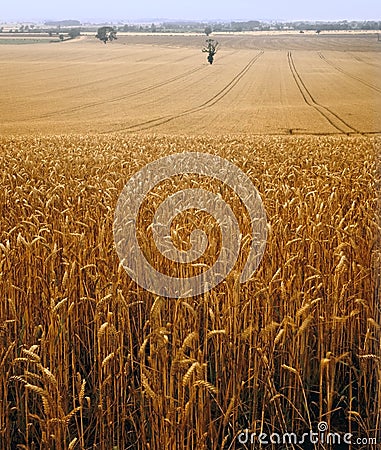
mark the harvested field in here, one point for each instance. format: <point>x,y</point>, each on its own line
<point>88,359</point>
<point>162,84</point>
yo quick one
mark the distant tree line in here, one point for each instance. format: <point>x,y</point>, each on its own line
<point>69,33</point>
<point>66,26</point>
<point>331,26</point>
<point>250,25</point>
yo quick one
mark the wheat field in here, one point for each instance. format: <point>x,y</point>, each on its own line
<point>163,84</point>
<point>90,360</point>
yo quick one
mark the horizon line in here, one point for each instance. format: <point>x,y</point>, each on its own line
<point>163,19</point>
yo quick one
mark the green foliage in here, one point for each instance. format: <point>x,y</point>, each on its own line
<point>106,34</point>
<point>74,32</point>
<point>208,30</point>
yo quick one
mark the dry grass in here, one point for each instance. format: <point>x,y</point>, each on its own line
<point>90,360</point>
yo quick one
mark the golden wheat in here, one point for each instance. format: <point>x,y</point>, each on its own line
<point>89,359</point>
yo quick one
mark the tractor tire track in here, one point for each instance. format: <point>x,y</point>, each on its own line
<point>129,95</point>
<point>122,97</point>
<point>354,77</point>
<point>105,80</point>
<point>207,104</point>
<point>330,116</point>
<point>368,63</point>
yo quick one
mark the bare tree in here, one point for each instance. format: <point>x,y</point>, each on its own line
<point>210,48</point>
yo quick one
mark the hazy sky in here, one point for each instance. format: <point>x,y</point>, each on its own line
<point>191,9</point>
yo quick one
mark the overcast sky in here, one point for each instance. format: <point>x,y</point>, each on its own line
<point>191,9</point>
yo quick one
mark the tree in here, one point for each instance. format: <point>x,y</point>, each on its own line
<point>106,34</point>
<point>208,30</point>
<point>74,32</point>
<point>211,47</point>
